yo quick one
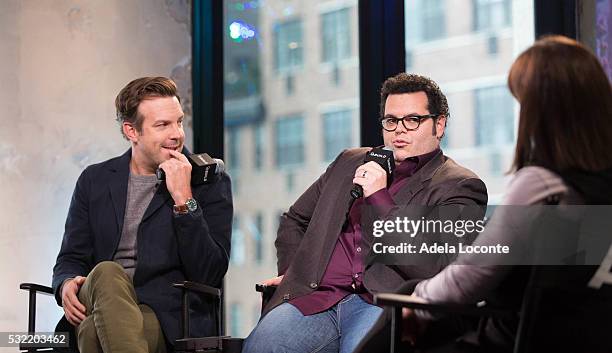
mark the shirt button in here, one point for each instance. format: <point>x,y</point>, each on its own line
<point>313,285</point>
<point>286,296</point>
<point>358,249</point>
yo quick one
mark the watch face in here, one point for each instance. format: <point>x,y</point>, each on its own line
<point>192,205</point>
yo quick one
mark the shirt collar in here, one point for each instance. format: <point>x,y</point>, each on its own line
<point>411,165</point>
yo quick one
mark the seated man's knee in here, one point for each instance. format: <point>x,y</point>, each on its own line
<point>284,327</point>
<point>106,276</point>
<point>270,327</point>
<point>278,319</point>
<point>107,269</point>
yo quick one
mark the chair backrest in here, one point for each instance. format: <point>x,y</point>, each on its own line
<point>561,313</point>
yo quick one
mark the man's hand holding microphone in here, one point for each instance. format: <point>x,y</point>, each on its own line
<point>374,174</point>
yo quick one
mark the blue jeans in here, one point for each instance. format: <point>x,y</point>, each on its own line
<point>285,329</point>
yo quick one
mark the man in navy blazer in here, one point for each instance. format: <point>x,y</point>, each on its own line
<point>128,236</point>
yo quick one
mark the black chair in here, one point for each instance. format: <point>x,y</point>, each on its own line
<point>213,344</point>
<point>559,312</point>
<point>219,343</point>
<point>267,291</point>
<point>63,326</point>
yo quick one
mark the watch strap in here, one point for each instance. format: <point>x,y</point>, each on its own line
<point>191,205</point>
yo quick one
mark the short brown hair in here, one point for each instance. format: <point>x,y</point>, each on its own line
<point>565,120</point>
<point>136,91</point>
<point>412,83</point>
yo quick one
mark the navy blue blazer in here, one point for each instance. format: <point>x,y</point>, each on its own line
<point>171,248</point>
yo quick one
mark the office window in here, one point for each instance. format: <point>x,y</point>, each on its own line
<point>595,30</point>
<point>273,57</point>
<point>256,313</point>
<point>238,247</point>
<point>445,143</point>
<point>492,14</point>
<point>234,148</point>
<point>258,150</point>
<point>290,141</point>
<point>290,181</point>
<point>257,233</point>
<point>337,132</point>
<point>409,58</point>
<point>236,320</point>
<point>336,36</point>
<point>289,45</point>
<point>495,163</point>
<point>480,130</point>
<point>494,116</point>
<point>433,19</point>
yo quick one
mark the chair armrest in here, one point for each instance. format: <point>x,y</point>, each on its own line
<point>199,288</point>
<point>399,301</point>
<point>32,289</point>
<point>402,300</point>
<point>36,288</point>
<point>265,290</point>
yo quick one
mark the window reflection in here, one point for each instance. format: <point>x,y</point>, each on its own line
<point>291,80</point>
<point>433,17</point>
<point>336,133</point>
<point>469,54</point>
<point>494,116</point>
<point>258,150</point>
<point>238,244</point>
<point>288,38</point>
<point>491,14</point>
<point>290,141</point>
<point>236,317</point>
<point>336,36</point>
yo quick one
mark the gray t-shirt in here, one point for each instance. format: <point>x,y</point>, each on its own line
<point>141,189</point>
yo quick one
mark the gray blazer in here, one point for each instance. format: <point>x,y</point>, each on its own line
<point>308,232</point>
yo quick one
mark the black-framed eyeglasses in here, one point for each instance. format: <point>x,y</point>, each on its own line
<point>410,122</point>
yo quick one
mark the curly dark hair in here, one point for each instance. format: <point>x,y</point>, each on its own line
<point>410,83</point>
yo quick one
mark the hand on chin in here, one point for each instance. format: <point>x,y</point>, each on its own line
<point>166,152</point>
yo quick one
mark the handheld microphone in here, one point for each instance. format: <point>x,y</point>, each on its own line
<point>382,156</point>
<point>204,169</point>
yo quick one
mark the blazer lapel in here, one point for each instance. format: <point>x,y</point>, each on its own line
<point>118,187</point>
<point>161,196</point>
<point>417,182</point>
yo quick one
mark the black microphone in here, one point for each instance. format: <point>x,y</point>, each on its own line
<point>204,169</point>
<point>382,156</point>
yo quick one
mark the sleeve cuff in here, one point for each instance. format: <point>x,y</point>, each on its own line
<point>197,214</point>
<point>62,287</point>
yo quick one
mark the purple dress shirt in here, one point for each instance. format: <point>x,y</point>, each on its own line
<point>344,272</point>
